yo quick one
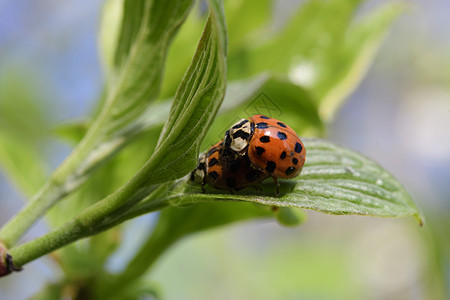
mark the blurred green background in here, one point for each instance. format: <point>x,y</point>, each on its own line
<point>399,116</point>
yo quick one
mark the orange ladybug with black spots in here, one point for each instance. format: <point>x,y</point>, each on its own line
<point>271,145</point>
<point>275,148</point>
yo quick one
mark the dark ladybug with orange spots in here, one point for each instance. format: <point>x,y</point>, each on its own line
<point>225,173</point>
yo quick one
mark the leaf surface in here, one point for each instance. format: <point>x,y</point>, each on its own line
<point>334,180</point>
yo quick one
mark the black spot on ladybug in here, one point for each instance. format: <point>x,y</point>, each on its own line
<point>295,161</point>
<point>283,155</point>
<point>234,165</point>
<point>231,182</point>
<point>270,166</point>
<point>290,170</point>
<point>227,139</point>
<point>214,175</point>
<point>251,176</point>
<point>213,162</point>
<point>240,124</point>
<point>211,151</point>
<point>281,135</point>
<point>282,124</point>
<point>262,125</point>
<point>264,117</point>
<point>260,150</point>
<point>241,134</point>
<point>298,147</point>
<point>252,127</point>
<point>265,139</point>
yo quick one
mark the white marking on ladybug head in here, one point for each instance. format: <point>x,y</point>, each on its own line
<point>238,144</point>
<point>200,172</point>
<point>240,135</point>
<point>199,175</point>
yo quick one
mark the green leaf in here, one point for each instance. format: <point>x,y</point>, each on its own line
<point>244,18</point>
<point>133,19</point>
<point>148,28</point>
<point>109,32</point>
<point>195,105</point>
<point>334,180</point>
<point>347,67</point>
<point>182,50</point>
<point>23,130</point>
<point>22,162</point>
<point>316,29</point>
<point>244,24</point>
<point>72,131</point>
<point>321,48</point>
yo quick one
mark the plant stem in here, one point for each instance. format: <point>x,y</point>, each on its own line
<point>99,217</point>
<point>64,235</point>
<point>50,193</point>
<point>96,218</point>
<point>64,180</point>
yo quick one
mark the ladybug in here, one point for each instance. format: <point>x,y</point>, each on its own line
<point>226,173</point>
<point>271,145</point>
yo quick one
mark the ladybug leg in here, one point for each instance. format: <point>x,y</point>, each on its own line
<point>275,180</point>
<point>203,185</point>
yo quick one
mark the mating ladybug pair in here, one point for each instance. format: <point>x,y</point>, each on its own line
<point>251,151</point>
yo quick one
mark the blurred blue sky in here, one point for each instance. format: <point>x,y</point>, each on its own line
<point>399,116</point>
<point>58,41</point>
